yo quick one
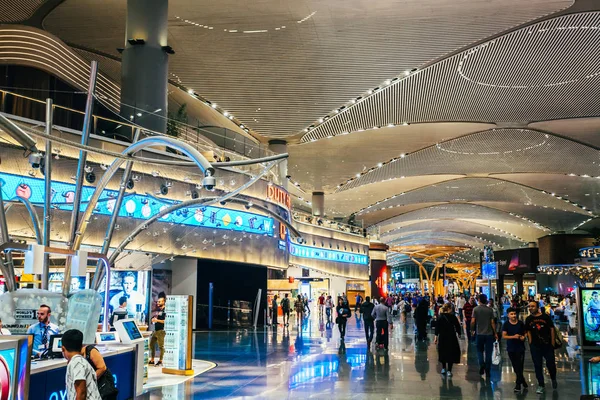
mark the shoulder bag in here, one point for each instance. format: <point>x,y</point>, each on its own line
<point>106,382</point>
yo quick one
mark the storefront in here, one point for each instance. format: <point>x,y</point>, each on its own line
<point>517,271</point>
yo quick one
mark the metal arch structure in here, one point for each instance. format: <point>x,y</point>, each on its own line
<point>185,148</point>
<point>192,202</point>
<point>35,219</point>
<point>465,276</point>
<point>420,254</point>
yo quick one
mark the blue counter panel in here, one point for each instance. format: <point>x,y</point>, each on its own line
<point>50,385</point>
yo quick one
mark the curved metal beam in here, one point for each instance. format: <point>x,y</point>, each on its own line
<point>185,148</point>
<point>216,164</point>
<point>35,219</point>
<point>189,203</point>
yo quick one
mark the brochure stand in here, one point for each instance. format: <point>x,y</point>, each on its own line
<point>178,336</point>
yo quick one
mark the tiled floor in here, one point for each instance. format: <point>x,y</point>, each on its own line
<point>286,363</point>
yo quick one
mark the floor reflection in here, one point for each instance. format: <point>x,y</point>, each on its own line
<point>311,361</point>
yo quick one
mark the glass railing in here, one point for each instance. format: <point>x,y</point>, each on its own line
<point>225,143</point>
<point>326,223</point>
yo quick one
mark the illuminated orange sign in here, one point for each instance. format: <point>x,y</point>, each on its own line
<point>282,232</point>
<point>381,282</point>
<point>279,196</point>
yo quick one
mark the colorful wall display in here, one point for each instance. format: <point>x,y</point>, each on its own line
<point>136,206</point>
<point>327,255</point>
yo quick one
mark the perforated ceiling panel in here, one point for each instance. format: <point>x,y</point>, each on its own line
<point>477,190</point>
<point>18,10</point>
<point>488,233</point>
<point>577,189</point>
<point>504,79</point>
<point>490,152</point>
<point>279,64</point>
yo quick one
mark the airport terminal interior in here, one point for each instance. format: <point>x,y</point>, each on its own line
<point>392,199</point>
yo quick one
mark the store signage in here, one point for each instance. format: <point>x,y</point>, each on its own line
<point>590,252</point>
<point>327,255</point>
<point>279,196</point>
<point>135,206</point>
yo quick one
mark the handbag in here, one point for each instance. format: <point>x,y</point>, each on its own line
<point>106,382</point>
<point>558,338</point>
<point>496,358</point>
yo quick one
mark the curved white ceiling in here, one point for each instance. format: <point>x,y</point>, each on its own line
<point>504,79</point>
<point>490,152</point>
<point>277,65</point>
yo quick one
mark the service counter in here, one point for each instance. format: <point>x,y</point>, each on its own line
<point>47,377</point>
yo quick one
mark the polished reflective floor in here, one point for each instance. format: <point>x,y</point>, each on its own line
<point>309,363</point>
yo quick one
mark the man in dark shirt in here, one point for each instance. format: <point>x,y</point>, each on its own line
<point>366,308</point>
<point>540,333</point>
<point>467,315</point>
<point>514,333</point>
<point>159,331</point>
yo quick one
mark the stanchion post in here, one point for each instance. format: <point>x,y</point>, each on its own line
<point>210,305</point>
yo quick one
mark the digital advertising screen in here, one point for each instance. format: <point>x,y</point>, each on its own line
<point>7,373</point>
<point>489,270</point>
<point>515,262</point>
<point>135,206</point>
<point>589,301</point>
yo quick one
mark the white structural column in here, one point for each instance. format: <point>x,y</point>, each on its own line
<point>318,204</point>
<point>280,147</point>
<point>144,70</point>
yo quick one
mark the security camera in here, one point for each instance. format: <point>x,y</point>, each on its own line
<point>130,184</point>
<point>35,159</point>
<point>194,194</point>
<point>164,189</point>
<point>90,177</point>
<point>209,182</point>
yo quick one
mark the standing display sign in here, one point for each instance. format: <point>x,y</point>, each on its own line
<point>178,335</point>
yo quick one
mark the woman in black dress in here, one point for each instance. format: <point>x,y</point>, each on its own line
<point>445,337</point>
<point>421,316</point>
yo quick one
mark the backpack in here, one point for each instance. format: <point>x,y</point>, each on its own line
<point>407,308</point>
<point>106,382</point>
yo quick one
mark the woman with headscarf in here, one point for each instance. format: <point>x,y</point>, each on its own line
<point>421,316</point>
<point>446,329</point>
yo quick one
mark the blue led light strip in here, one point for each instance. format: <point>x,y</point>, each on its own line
<point>327,255</point>
<point>135,206</point>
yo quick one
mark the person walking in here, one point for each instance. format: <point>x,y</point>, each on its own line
<point>446,340</point>
<point>274,312</point>
<point>467,316</point>
<point>383,322</point>
<point>285,309</point>
<point>421,316</point>
<point>321,305</point>
<point>366,308</point>
<point>159,331</point>
<point>460,303</point>
<point>571,314</point>
<point>343,313</point>
<point>483,319</point>
<point>540,334</point>
<point>299,308</point>
<point>328,307</point>
<point>513,331</point>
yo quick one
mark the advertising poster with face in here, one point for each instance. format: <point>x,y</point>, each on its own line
<point>134,286</point>
<point>161,283</point>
